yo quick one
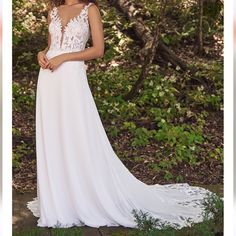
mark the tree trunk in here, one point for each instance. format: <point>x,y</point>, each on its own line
<point>149,58</point>
<point>200,31</point>
<point>144,34</point>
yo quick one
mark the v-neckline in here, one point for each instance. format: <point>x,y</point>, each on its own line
<point>71,19</point>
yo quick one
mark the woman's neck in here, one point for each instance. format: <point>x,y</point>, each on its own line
<point>71,2</point>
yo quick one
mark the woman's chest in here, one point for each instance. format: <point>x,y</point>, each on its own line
<point>73,35</point>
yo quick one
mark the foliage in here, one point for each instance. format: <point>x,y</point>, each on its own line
<point>27,20</point>
<point>23,97</point>
<point>54,232</point>
<point>214,212</point>
<point>212,221</point>
<point>211,95</point>
<point>65,232</point>
<point>19,152</point>
<point>171,110</point>
<point>29,28</point>
<point>182,20</point>
<point>31,232</point>
<point>147,223</point>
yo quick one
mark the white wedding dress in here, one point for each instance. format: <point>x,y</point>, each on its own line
<point>80,179</point>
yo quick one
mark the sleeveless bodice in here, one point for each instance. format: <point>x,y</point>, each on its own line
<point>73,36</point>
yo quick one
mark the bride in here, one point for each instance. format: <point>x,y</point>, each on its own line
<point>80,179</point>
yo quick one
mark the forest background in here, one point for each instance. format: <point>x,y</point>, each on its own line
<point>158,88</point>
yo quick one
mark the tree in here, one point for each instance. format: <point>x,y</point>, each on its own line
<point>145,35</point>
<point>200,30</point>
<point>151,52</point>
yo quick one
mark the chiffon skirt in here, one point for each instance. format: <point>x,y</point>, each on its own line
<point>80,179</point>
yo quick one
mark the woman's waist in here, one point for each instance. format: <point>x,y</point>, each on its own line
<point>56,52</point>
<point>53,53</point>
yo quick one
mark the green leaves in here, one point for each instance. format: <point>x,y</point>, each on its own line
<point>184,139</point>
<point>141,137</point>
<point>211,225</point>
<point>23,97</point>
<point>170,111</point>
<point>21,150</point>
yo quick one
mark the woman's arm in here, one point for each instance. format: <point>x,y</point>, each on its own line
<point>97,50</point>
<point>42,59</point>
<point>49,36</point>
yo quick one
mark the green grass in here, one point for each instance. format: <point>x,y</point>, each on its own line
<point>211,225</point>
<point>32,232</point>
<point>51,232</point>
<point>66,232</point>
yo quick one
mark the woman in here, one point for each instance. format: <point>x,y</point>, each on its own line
<point>81,181</point>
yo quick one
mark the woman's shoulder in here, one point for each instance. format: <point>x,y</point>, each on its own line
<point>52,11</point>
<point>92,8</point>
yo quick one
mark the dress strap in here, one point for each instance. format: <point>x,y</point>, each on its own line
<point>87,6</point>
<point>53,12</point>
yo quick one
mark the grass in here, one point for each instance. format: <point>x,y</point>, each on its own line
<point>32,232</point>
<point>50,232</point>
<point>211,225</point>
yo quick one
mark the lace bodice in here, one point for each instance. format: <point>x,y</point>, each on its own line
<point>74,35</point>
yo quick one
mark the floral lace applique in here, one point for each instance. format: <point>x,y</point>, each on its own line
<point>74,35</point>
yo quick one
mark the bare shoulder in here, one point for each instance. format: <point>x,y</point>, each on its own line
<point>50,10</point>
<point>93,10</point>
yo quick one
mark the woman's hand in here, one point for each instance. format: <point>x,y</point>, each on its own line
<point>42,59</point>
<point>55,62</point>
